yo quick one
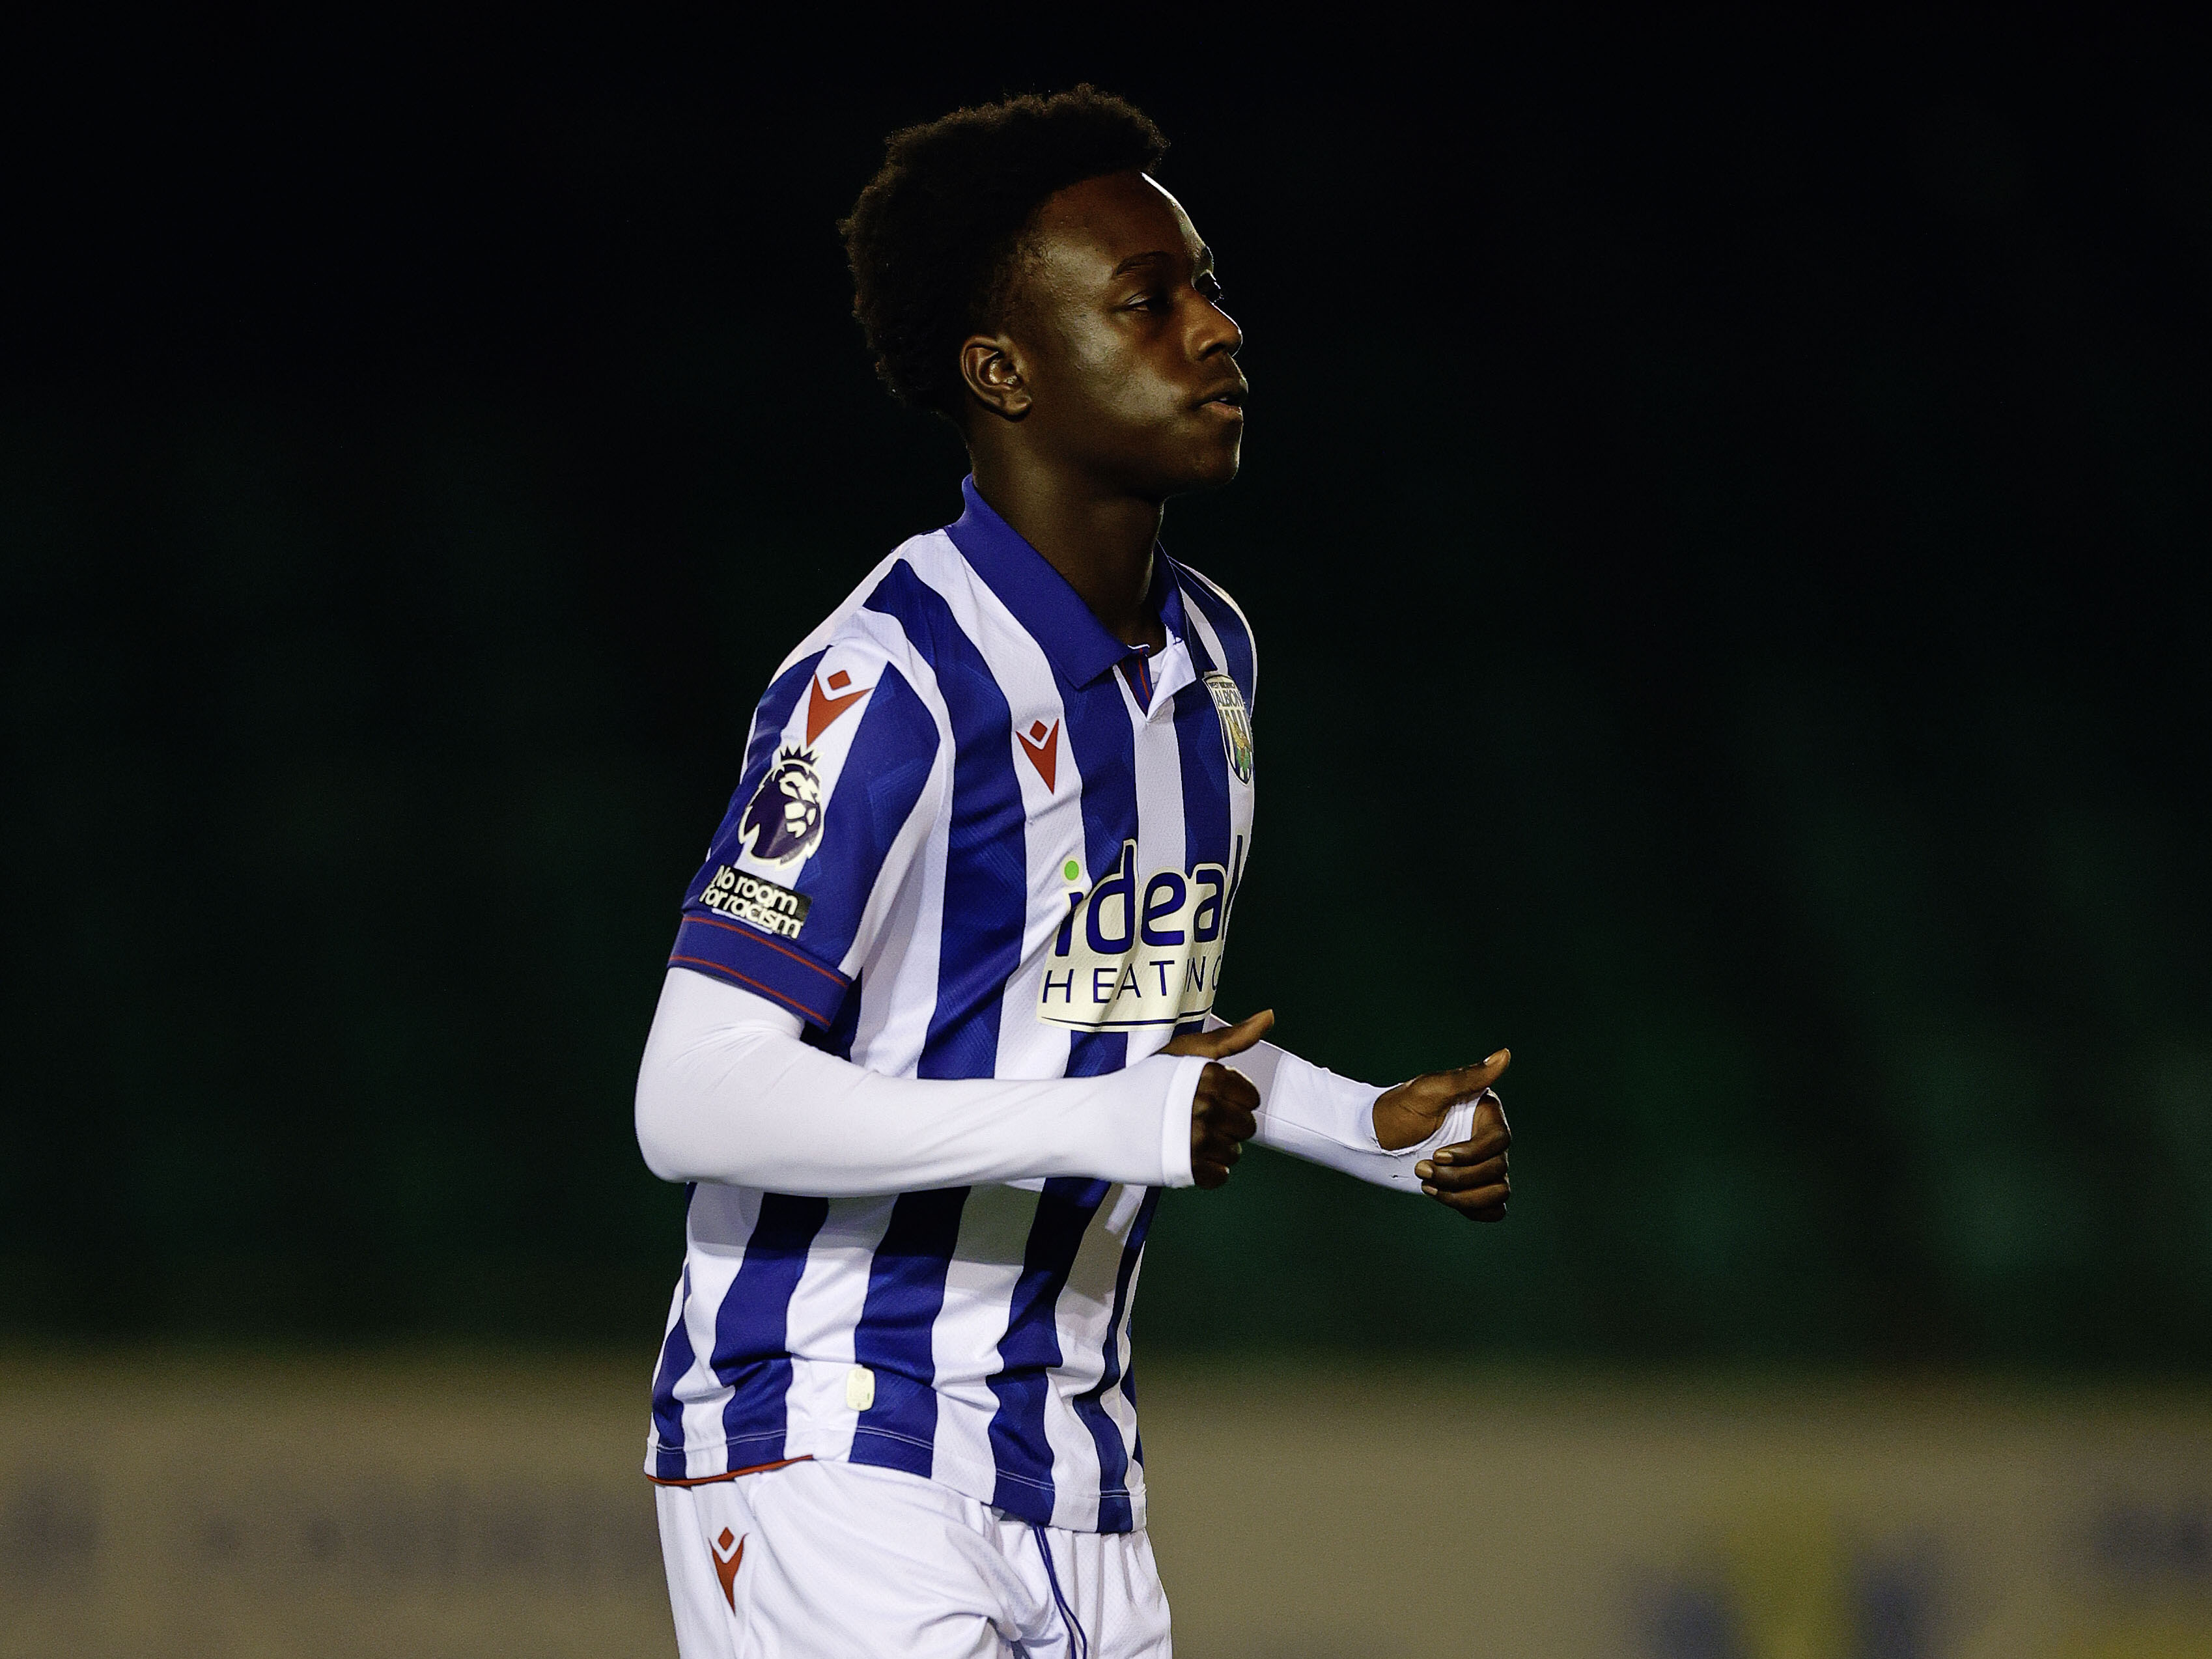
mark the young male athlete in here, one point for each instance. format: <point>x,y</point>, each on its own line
<point>934,1035</point>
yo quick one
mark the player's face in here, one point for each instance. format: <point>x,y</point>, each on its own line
<point>1129,359</point>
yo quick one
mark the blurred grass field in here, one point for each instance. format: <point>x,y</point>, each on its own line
<point>175,1504</point>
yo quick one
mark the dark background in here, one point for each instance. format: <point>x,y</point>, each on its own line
<point>1722,513</point>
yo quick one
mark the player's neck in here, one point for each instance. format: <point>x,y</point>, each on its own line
<point>1100,541</point>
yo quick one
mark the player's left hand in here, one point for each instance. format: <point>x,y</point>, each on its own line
<point>1474,1175</point>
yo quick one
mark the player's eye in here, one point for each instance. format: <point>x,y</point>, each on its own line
<point>1210,286</point>
<point>1151,302</point>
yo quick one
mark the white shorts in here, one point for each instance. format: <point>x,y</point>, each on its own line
<point>826,1560</point>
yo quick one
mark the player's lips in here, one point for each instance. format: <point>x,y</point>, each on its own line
<point>1227,398</point>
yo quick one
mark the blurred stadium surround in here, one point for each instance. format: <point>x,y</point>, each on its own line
<point>1739,640</point>
<point>1746,662</point>
<point>460,1507</point>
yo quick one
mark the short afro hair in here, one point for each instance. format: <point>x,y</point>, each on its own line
<point>935,236</point>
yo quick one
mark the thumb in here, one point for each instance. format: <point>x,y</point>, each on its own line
<point>1229,1040</point>
<point>1489,1072</point>
<point>1468,1081</point>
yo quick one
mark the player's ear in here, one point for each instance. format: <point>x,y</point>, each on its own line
<point>990,364</point>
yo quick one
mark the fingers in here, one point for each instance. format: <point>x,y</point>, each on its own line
<point>1490,1137</point>
<point>1466,1175</point>
<point>1485,1201</point>
<point>1473,1177</point>
<point>1210,1166</point>
<point>1210,1143</point>
<point>1219,1131</point>
<point>1224,1088</point>
<point>1486,1205</point>
<point>1222,1116</point>
<point>1229,1040</point>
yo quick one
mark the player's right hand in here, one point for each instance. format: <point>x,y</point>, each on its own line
<point>1221,1112</point>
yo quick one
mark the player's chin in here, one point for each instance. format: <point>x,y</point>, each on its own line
<point>1206,463</point>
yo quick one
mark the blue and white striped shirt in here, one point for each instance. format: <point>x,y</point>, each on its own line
<point>975,837</point>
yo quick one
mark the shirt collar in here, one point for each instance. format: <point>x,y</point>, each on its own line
<point>1052,612</point>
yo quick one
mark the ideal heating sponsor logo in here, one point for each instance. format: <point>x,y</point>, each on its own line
<point>1139,951</point>
<point>741,897</point>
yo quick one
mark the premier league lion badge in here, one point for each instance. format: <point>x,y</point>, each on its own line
<point>783,820</point>
<point>1235,723</point>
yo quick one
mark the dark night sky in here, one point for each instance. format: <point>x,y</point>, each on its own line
<point>1723,515</point>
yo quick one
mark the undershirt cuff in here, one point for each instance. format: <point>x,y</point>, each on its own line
<point>1175,1127</point>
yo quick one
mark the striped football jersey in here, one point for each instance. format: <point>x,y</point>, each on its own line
<point>975,836</point>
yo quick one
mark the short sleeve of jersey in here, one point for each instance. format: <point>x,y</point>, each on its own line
<point>829,819</point>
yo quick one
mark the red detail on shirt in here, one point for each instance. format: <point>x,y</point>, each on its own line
<point>822,710</point>
<point>1136,669</point>
<point>1043,747</point>
<point>731,1474</point>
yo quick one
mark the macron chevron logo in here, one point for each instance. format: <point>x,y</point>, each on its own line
<point>1043,747</point>
<point>822,709</point>
<point>729,1556</point>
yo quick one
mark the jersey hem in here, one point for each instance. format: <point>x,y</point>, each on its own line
<point>710,1479</point>
<point>981,1481</point>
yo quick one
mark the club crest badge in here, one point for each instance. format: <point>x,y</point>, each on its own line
<point>783,820</point>
<point>1235,723</point>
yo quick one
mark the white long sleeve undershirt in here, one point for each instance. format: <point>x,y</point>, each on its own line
<point>728,1092</point>
<point>1309,1112</point>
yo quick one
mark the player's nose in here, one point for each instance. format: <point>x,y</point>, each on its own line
<point>1217,333</point>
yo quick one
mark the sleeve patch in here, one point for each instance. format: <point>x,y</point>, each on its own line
<point>742,898</point>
